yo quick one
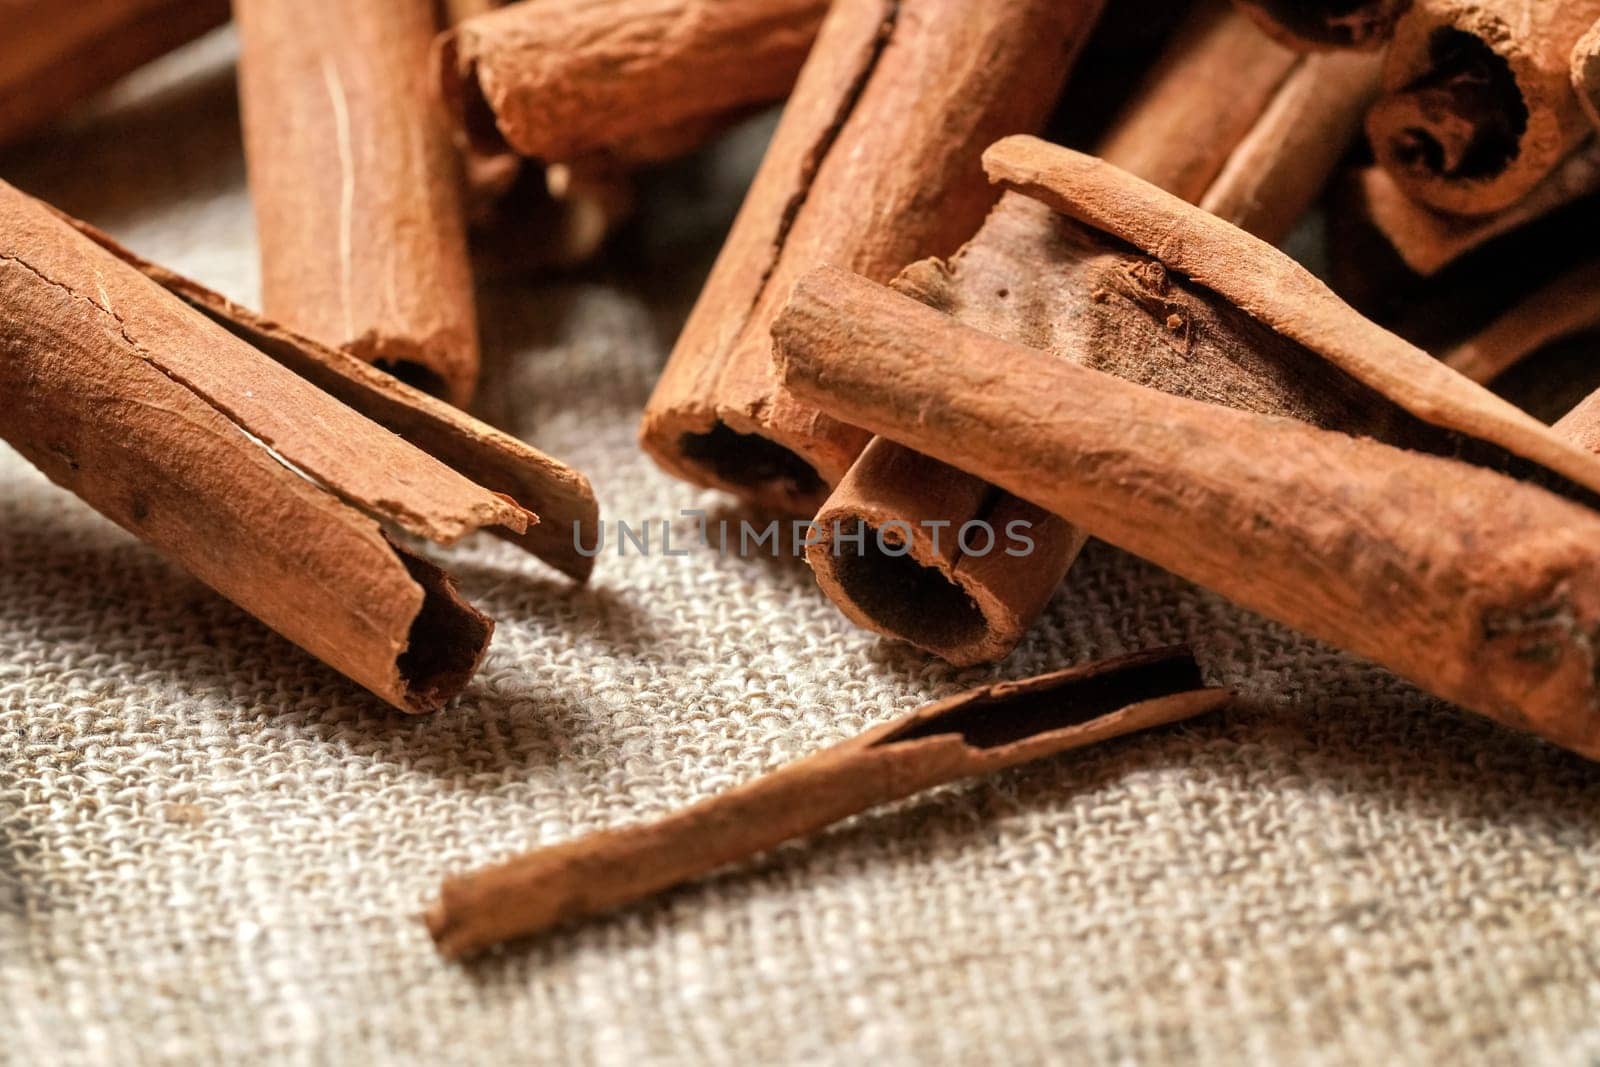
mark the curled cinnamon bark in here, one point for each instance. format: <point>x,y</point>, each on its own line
<point>1229,118</point>
<point>357,187</point>
<point>1322,24</point>
<point>977,733</point>
<point>559,79</point>
<point>1493,583</point>
<point>892,110</point>
<point>53,56</point>
<point>260,484</point>
<point>1479,106</point>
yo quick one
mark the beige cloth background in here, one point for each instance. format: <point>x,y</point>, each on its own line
<point>213,848</point>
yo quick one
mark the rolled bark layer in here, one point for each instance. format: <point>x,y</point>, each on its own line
<point>264,487</point>
<point>357,187</point>
<point>976,733</point>
<point>558,79</point>
<point>54,55</point>
<point>1327,24</point>
<point>1492,585</point>
<point>1230,119</point>
<point>875,165</point>
<point>1479,106</point>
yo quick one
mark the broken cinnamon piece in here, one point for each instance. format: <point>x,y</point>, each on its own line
<point>1429,240</point>
<point>54,56</point>
<point>1490,586</point>
<point>1324,24</point>
<point>562,498</point>
<point>874,165</point>
<point>560,79</point>
<point>356,185</point>
<point>1479,106</point>
<point>1568,306</point>
<point>251,478</point>
<point>977,733</point>
<point>1031,277</point>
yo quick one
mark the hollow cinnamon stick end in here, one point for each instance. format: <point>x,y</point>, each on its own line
<point>1364,25</point>
<point>459,85</point>
<point>447,641</point>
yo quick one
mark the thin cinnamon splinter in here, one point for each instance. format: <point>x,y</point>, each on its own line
<point>977,733</point>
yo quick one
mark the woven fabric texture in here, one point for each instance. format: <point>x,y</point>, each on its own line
<point>213,849</point>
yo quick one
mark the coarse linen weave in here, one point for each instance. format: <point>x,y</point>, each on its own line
<point>213,849</point>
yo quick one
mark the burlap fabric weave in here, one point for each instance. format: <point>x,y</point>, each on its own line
<point>213,849</point>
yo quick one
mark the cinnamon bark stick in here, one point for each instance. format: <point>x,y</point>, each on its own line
<point>977,733</point>
<point>560,79</point>
<point>53,55</point>
<point>258,483</point>
<point>1586,73</point>
<point>1230,119</point>
<point>1479,106</point>
<point>357,187</point>
<point>1324,24</point>
<point>1566,307</point>
<point>1429,240</point>
<point>874,165</point>
<point>1482,589</point>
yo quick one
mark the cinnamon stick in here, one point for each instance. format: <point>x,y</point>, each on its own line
<point>258,483</point>
<point>1586,73</point>
<point>1479,106</point>
<point>559,79</point>
<point>1324,24</point>
<point>54,55</point>
<point>875,165</point>
<point>356,185</point>
<point>1228,118</point>
<point>1566,307</point>
<point>1429,240</point>
<point>977,733</point>
<point>1481,588</point>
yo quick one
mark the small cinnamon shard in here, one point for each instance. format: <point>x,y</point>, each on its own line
<point>891,110</point>
<point>1495,582</point>
<point>1478,106</point>
<point>977,733</point>
<point>1327,24</point>
<point>52,58</point>
<point>357,187</point>
<point>261,485</point>
<point>561,79</point>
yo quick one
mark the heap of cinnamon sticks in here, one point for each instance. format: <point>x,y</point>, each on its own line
<point>928,318</point>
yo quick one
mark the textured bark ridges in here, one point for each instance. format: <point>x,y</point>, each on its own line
<point>264,487</point>
<point>1493,584</point>
<point>560,79</point>
<point>1478,106</point>
<point>357,186</point>
<point>977,733</point>
<point>54,55</point>
<point>874,166</point>
<point>1229,119</point>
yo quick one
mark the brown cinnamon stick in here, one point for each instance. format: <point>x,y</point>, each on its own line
<point>53,55</point>
<point>1479,106</point>
<point>1586,73</point>
<point>559,79</point>
<point>357,187</point>
<point>1324,24</point>
<point>1482,589</point>
<point>977,733</point>
<point>1568,306</point>
<point>1229,118</point>
<point>874,165</point>
<point>1429,240</point>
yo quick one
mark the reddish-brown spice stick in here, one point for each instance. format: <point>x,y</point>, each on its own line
<point>875,165</point>
<point>1327,24</point>
<point>356,185</point>
<point>976,733</point>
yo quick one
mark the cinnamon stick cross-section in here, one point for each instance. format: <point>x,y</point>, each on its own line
<point>976,733</point>
<point>260,484</point>
<point>1481,588</point>
<point>1479,105</point>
